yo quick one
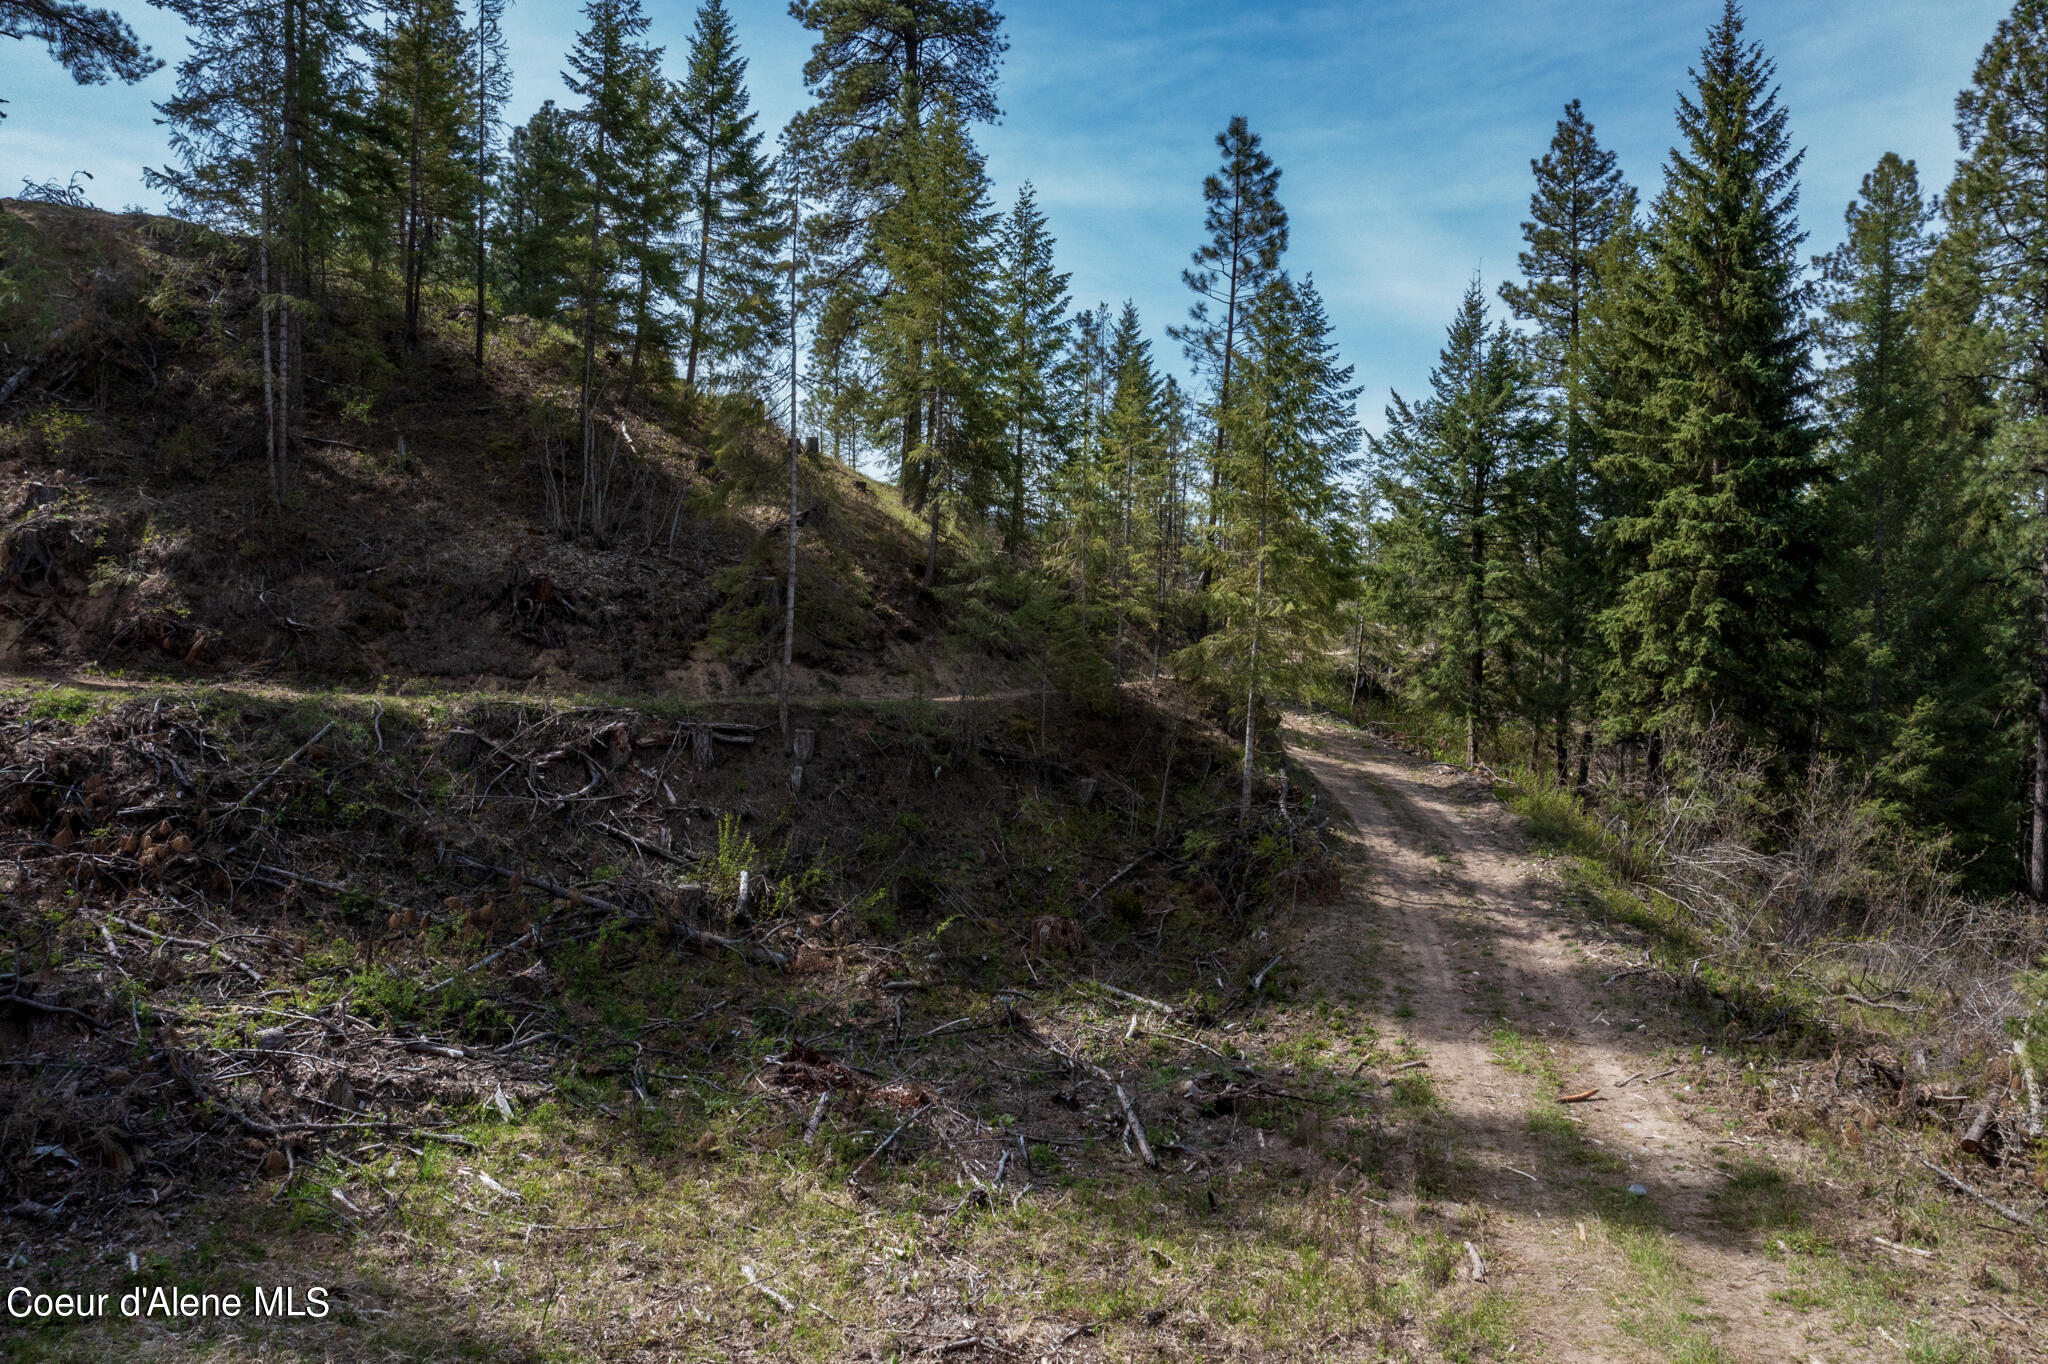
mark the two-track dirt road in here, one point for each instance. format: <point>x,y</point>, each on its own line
<point>1473,957</point>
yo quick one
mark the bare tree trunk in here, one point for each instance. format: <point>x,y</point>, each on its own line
<point>703,265</point>
<point>269,393</point>
<point>483,135</point>
<point>789,604</point>
<point>2037,851</point>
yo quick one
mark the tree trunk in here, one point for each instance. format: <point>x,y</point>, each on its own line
<point>483,135</point>
<point>703,265</point>
<point>2037,851</point>
<point>789,608</point>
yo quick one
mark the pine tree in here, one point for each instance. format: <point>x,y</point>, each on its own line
<point>1580,199</point>
<point>92,44</point>
<point>492,74</point>
<point>1917,691</point>
<point>1032,305</point>
<point>1172,509</point>
<point>542,209</point>
<point>1455,474</point>
<point>1132,453</point>
<point>1284,517</point>
<point>879,70</point>
<point>616,76</point>
<point>1247,230</point>
<point>732,316</point>
<point>880,67</point>
<point>1716,617</point>
<point>935,331</point>
<point>425,94</point>
<point>263,126</point>
<point>1579,203</point>
<point>649,200</point>
<point>1998,206</point>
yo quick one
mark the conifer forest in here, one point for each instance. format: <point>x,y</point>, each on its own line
<point>633,730</point>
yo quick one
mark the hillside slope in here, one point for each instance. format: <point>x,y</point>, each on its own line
<point>427,531</point>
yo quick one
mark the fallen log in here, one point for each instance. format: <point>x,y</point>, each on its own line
<point>1981,1138</point>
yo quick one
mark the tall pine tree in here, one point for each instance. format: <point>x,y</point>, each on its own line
<point>1032,304</point>
<point>1455,473</point>
<point>1916,688</point>
<point>1579,203</point>
<point>1247,230</point>
<point>731,308</point>
<point>1998,208</point>
<point>1284,514</point>
<point>1716,618</point>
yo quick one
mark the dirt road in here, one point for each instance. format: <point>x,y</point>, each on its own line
<point>1478,966</point>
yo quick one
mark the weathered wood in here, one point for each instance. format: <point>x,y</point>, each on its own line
<point>1137,1129</point>
<point>1981,1137</point>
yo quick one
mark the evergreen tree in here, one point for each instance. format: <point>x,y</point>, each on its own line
<point>1284,516</point>
<point>263,123</point>
<point>935,331</point>
<point>1174,492</point>
<point>92,44</point>
<point>1032,303</point>
<point>542,209</point>
<point>1455,474</point>
<point>879,70</point>
<point>1580,199</point>
<point>649,200</point>
<point>1132,453</point>
<point>1916,690</point>
<point>493,86</point>
<point>426,106</point>
<point>1247,230</point>
<point>1716,614</point>
<point>1579,203</point>
<point>731,307</point>
<point>616,76</point>
<point>1998,207</point>
<point>880,67</point>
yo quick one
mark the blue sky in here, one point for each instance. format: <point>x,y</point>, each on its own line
<point>1404,127</point>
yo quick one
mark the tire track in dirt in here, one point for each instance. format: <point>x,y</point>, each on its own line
<point>1443,905</point>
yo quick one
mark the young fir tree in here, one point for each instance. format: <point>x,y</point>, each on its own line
<point>538,242</point>
<point>1031,303</point>
<point>1915,685</point>
<point>1454,474</point>
<point>1716,617</point>
<point>1247,230</point>
<point>1998,210</point>
<point>1284,514</point>
<point>935,331</point>
<point>732,280</point>
<point>1579,203</point>
<point>616,76</point>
